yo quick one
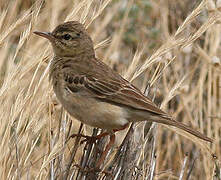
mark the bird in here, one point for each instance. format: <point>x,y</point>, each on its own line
<point>92,92</point>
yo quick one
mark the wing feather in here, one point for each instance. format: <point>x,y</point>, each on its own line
<point>114,92</point>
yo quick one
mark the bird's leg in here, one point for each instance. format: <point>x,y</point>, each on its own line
<point>104,154</point>
<point>92,139</point>
<point>97,169</point>
<point>109,145</point>
<point>89,139</point>
<point>120,129</point>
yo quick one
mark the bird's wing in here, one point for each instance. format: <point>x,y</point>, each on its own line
<point>113,91</point>
<point>122,93</point>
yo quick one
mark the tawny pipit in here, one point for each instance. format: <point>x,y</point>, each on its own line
<point>91,91</point>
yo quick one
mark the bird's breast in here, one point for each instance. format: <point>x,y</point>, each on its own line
<point>91,111</point>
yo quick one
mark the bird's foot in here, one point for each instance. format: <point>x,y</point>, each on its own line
<point>89,139</point>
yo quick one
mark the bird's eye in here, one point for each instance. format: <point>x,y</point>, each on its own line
<point>67,36</point>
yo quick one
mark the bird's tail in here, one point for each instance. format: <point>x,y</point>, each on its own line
<point>169,121</point>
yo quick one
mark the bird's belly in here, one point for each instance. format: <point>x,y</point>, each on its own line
<point>93,112</point>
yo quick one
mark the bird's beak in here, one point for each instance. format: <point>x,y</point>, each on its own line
<point>46,35</point>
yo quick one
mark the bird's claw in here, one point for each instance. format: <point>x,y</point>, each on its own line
<point>88,139</point>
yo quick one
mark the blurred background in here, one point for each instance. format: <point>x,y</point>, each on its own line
<point>171,48</point>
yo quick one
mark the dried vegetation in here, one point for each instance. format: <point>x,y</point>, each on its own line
<point>171,47</point>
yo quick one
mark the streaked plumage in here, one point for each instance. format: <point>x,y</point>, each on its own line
<point>91,91</point>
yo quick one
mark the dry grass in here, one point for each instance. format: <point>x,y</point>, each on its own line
<point>178,57</point>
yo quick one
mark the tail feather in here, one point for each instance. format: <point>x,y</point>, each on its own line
<point>171,122</point>
<point>163,118</point>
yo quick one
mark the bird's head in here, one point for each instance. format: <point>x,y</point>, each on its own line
<point>69,39</point>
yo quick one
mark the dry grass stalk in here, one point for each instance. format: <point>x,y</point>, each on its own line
<point>34,129</point>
